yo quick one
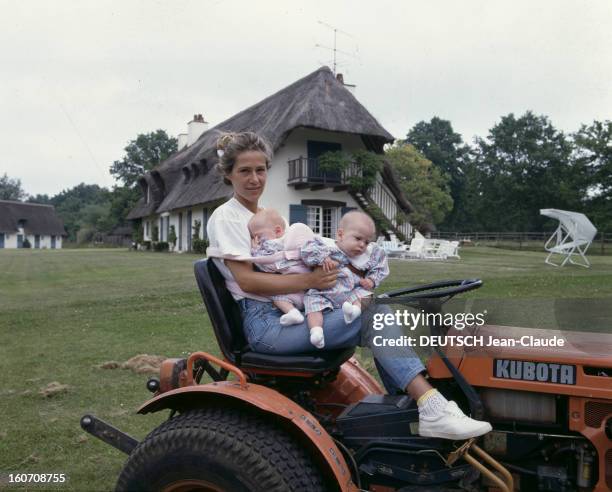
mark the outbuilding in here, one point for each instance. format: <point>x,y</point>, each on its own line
<point>33,224</point>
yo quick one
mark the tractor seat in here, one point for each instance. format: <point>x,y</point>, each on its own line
<point>226,320</point>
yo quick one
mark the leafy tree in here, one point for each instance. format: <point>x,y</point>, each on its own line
<point>440,144</point>
<point>524,165</point>
<point>83,205</point>
<point>43,199</point>
<point>594,153</point>
<point>10,189</point>
<point>424,184</point>
<point>142,155</point>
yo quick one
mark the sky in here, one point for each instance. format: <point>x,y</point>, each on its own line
<point>81,78</point>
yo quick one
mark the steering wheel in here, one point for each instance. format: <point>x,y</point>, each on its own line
<point>436,290</point>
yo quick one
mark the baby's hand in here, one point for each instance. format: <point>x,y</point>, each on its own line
<point>329,264</point>
<point>367,283</point>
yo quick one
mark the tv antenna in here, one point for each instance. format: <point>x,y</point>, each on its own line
<point>335,49</point>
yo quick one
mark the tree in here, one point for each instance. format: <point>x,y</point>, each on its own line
<point>142,155</point>
<point>83,205</point>
<point>423,184</point>
<point>440,144</point>
<point>10,189</point>
<point>524,165</point>
<point>42,199</point>
<point>594,152</point>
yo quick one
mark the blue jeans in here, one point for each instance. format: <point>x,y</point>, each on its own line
<point>266,335</point>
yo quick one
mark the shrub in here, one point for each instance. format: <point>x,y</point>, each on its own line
<point>172,236</point>
<point>199,246</point>
<point>146,245</point>
<point>26,243</point>
<point>161,246</point>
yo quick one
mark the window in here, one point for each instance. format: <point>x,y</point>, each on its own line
<point>323,220</point>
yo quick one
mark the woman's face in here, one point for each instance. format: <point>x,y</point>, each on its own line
<point>248,177</point>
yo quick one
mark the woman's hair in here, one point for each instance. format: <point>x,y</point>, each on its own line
<point>231,145</point>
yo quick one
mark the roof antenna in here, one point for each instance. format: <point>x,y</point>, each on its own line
<point>335,50</point>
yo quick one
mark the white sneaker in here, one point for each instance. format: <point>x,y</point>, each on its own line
<point>452,424</point>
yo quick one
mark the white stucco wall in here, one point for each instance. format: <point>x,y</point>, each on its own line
<point>279,195</point>
<point>10,241</point>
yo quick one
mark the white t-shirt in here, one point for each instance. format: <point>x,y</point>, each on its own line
<point>228,231</point>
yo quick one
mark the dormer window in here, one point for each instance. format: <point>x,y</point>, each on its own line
<point>147,193</point>
<point>186,174</point>
<point>195,170</point>
<point>204,166</point>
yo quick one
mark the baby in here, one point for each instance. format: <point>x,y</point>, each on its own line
<point>267,229</point>
<point>355,255</point>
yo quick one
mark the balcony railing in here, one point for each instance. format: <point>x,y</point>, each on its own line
<point>306,171</point>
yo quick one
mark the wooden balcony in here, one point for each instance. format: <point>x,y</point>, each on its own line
<point>304,172</point>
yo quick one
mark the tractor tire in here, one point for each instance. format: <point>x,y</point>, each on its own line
<point>220,449</point>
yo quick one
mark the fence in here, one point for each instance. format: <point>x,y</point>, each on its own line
<point>602,244</point>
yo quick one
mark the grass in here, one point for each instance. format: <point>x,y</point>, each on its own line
<point>64,312</point>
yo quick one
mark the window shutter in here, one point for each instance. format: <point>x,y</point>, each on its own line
<point>346,210</point>
<point>297,213</point>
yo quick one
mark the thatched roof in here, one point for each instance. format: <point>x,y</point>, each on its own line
<point>35,218</point>
<point>315,101</point>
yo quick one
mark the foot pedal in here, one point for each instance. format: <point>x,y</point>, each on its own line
<point>506,483</point>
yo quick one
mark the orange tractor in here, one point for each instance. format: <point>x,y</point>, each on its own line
<point>318,422</point>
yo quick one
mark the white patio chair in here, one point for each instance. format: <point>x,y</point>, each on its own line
<point>572,238</point>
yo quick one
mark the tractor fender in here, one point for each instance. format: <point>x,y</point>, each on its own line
<point>268,401</point>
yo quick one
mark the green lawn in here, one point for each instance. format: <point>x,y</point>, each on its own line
<point>64,312</point>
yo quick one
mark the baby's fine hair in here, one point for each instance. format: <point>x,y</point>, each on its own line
<point>355,216</point>
<point>234,144</point>
<point>266,216</point>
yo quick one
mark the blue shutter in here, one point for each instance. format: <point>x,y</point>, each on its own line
<point>297,213</point>
<point>346,210</point>
<point>180,231</point>
<point>19,240</point>
<point>1,240</point>
<point>52,242</point>
<point>189,230</point>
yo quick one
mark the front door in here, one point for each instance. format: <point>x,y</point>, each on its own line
<point>315,150</point>
<point>20,240</point>
<point>37,241</point>
<point>52,242</point>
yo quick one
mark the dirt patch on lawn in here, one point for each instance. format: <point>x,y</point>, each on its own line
<point>53,389</point>
<point>141,364</point>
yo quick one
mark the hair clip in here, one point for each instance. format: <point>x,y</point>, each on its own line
<point>220,152</point>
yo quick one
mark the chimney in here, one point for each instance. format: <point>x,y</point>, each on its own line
<point>182,141</point>
<point>350,87</point>
<point>195,128</point>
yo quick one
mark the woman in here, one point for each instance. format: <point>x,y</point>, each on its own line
<point>243,163</point>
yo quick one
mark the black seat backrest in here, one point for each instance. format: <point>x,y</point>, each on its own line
<point>222,309</point>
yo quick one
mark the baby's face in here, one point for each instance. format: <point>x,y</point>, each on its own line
<point>354,239</point>
<point>267,231</point>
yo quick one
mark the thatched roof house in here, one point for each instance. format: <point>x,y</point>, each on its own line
<point>318,105</point>
<point>20,221</point>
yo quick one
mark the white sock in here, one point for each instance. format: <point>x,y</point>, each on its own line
<point>293,317</point>
<point>432,404</point>
<point>316,337</point>
<point>351,312</point>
